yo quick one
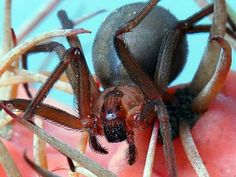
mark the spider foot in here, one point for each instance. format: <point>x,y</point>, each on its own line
<point>95,145</point>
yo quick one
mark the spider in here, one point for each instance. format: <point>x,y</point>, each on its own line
<point>136,97</point>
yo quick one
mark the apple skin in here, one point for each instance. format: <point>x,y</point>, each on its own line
<point>214,135</point>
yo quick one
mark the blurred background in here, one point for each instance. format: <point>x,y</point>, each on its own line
<point>24,11</point>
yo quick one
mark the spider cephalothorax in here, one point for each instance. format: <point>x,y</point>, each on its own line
<point>118,111</point>
<point>113,116</point>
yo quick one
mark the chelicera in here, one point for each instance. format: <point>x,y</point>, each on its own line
<point>134,80</point>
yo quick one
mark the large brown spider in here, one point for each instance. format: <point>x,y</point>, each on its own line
<point>133,101</point>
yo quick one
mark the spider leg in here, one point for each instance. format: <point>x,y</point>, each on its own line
<point>40,170</point>
<point>142,80</point>
<point>83,84</point>
<point>135,72</point>
<point>168,46</point>
<point>163,67</point>
<point>139,77</point>
<point>63,148</point>
<point>161,112</point>
<point>163,119</point>
<point>189,27</point>
<point>49,47</point>
<point>25,66</point>
<point>131,153</point>
<point>136,20</point>
<point>189,24</point>
<point>71,54</point>
<point>71,164</point>
<point>216,83</point>
<point>75,42</point>
<point>165,129</point>
<point>95,144</point>
<point>146,116</point>
<point>66,23</point>
<point>190,21</point>
<point>51,113</point>
<point>207,28</point>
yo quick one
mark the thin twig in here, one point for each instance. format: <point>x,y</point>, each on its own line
<point>5,120</point>
<point>82,19</point>
<point>212,52</point>
<point>81,147</point>
<point>202,3</point>
<point>7,35</point>
<point>24,76</point>
<point>147,172</point>
<point>32,24</point>
<point>7,162</point>
<point>39,147</point>
<point>204,98</point>
<point>9,91</point>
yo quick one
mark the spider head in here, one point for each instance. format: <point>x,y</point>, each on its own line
<point>113,117</point>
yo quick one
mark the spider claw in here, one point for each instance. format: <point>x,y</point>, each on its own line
<point>96,146</point>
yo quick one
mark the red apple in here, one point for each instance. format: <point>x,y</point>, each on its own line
<point>214,135</point>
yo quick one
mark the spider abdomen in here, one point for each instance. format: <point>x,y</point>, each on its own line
<point>143,41</point>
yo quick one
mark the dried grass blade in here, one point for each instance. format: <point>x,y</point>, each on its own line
<point>24,76</point>
<point>231,12</point>
<point>9,91</point>
<point>80,20</point>
<point>63,148</point>
<point>7,162</point>
<point>191,150</point>
<point>212,52</point>
<point>32,24</point>
<point>13,55</point>
<point>147,172</point>
<point>7,35</point>
<point>39,147</point>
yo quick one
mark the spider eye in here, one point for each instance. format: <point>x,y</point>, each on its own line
<point>111,116</point>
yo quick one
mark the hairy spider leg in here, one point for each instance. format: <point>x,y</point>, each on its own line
<point>154,90</point>
<point>49,47</point>
<point>84,86</point>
